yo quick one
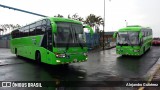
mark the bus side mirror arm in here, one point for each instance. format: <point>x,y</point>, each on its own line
<point>90,29</point>
<point>140,35</point>
<point>115,35</point>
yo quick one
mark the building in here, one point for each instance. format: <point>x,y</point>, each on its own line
<point>4,41</point>
<point>109,41</point>
<point>5,37</point>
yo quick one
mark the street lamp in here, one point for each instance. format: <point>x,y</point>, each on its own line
<point>104,25</point>
<point>126,23</point>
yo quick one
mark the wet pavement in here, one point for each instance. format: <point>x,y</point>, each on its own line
<point>101,66</point>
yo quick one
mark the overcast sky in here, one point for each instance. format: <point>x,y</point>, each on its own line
<point>139,12</point>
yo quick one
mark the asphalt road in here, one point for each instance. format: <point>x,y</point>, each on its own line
<point>101,66</point>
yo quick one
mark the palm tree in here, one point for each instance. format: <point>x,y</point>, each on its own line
<point>94,21</point>
<point>90,20</point>
<point>99,21</point>
<point>8,27</point>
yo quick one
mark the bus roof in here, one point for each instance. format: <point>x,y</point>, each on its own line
<point>132,28</point>
<point>55,19</point>
<point>58,19</point>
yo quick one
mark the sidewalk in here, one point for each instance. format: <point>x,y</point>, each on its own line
<point>101,48</point>
<point>156,77</point>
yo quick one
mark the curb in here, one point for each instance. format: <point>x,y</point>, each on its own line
<point>151,73</point>
<point>110,47</point>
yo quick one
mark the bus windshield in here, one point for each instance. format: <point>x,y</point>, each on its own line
<point>127,38</point>
<point>69,34</point>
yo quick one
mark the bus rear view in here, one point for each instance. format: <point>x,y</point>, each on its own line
<point>133,40</point>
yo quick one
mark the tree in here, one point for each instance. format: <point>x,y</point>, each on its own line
<point>59,15</point>
<point>99,21</point>
<point>94,21</point>
<point>8,27</point>
<point>76,17</point>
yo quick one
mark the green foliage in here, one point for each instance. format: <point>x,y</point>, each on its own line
<point>76,17</point>
<point>59,15</point>
<point>92,20</point>
<point>8,27</point>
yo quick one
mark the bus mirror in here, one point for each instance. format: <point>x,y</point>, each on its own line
<point>140,35</point>
<point>90,29</point>
<point>115,34</point>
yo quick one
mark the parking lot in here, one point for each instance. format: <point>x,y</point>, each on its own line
<point>101,66</point>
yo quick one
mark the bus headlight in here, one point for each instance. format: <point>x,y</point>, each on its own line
<point>58,61</point>
<point>60,55</point>
<point>85,54</point>
<point>135,50</point>
<point>118,50</point>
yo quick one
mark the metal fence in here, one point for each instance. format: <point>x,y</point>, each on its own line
<point>92,41</point>
<point>4,44</point>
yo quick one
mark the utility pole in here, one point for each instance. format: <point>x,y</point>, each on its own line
<point>104,25</point>
<point>126,23</point>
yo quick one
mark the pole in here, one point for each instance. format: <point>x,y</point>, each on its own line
<point>126,23</point>
<point>104,25</point>
<point>4,6</point>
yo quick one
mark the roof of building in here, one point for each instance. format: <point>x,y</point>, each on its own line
<point>6,36</point>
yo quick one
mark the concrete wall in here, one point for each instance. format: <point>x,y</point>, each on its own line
<point>4,44</point>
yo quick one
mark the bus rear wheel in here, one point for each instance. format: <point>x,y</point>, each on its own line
<point>16,52</point>
<point>38,57</point>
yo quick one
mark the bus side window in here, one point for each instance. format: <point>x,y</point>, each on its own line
<point>151,31</point>
<point>32,30</point>
<point>16,34</point>
<point>147,33</point>
<point>26,32</point>
<point>48,25</point>
<point>44,25</point>
<point>44,22</point>
<point>39,28</point>
<point>20,32</point>
<point>13,34</point>
<point>143,33</point>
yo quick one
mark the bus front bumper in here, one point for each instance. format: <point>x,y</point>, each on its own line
<point>130,52</point>
<point>71,59</point>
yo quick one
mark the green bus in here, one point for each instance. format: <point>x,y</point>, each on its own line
<point>133,40</point>
<point>51,41</point>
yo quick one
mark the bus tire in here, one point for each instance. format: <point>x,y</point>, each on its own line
<point>38,57</point>
<point>16,52</point>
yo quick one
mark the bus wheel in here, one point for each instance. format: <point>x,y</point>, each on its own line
<point>143,50</point>
<point>16,52</point>
<point>38,57</point>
